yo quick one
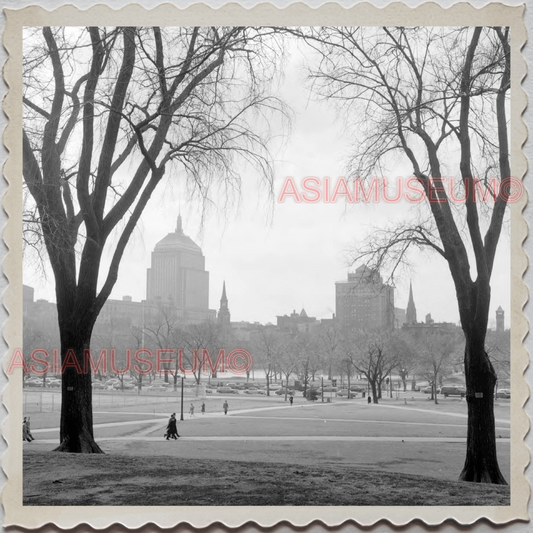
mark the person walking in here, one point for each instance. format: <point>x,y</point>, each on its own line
<point>225,406</point>
<point>291,398</point>
<point>203,408</point>
<point>29,429</point>
<point>191,410</point>
<point>25,431</point>
<point>172,428</point>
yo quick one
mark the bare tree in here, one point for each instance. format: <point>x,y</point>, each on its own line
<point>437,97</point>
<point>434,352</point>
<point>289,358</point>
<point>329,341</point>
<point>306,348</point>
<point>107,111</point>
<point>374,356</point>
<point>196,338</point>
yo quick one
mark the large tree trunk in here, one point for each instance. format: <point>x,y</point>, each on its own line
<point>374,392</point>
<point>481,464</point>
<point>76,428</point>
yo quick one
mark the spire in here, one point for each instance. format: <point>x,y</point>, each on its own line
<point>179,227</point>
<point>224,297</point>
<point>224,316</point>
<point>410,312</point>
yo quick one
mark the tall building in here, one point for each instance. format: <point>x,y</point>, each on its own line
<point>364,302</point>
<point>177,275</point>
<point>177,287</point>
<point>500,320</point>
<point>224,316</point>
<point>410,312</point>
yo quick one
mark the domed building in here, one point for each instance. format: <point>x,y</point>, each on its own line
<point>177,276</point>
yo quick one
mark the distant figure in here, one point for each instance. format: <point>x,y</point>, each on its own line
<point>364,393</point>
<point>203,408</point>
<point>369,399</point>
<point>172,428</point>
<point>291,398</point>
<point>225,406</point>
<point>191,410</point>
<point>29,429</point>
<point>26,435</point>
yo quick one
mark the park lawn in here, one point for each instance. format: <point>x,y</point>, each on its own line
<point>51,478</point>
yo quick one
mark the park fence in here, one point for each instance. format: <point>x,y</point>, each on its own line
<point>47,401</point>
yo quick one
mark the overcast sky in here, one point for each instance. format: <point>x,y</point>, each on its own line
<point>279,257</point>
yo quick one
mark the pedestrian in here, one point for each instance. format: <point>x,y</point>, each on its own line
<point>172,428</point>
<point>191,410</point>
<point>26,435</point>
<point>369,399</point>
<point>291,399</point>
<point>203,408</point>
<point>225,406</point>
<point>29,429</point>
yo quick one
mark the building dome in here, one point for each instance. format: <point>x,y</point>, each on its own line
<point>177,240</point>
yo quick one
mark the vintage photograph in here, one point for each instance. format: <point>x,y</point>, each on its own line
<point>267,265</point>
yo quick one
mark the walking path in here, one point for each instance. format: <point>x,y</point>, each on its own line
<point>362,421</point>
<point>283,438</point>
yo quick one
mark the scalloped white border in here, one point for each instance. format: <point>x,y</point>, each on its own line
<point>231,14</point>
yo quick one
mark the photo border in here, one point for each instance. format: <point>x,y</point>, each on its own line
<point>262,14</point>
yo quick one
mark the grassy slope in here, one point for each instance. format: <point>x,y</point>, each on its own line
<point>67,479</point>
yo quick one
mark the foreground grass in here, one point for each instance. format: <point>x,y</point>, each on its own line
<point>69,479</point>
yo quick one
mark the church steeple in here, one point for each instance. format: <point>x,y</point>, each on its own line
<point>500,320</point>
<point>224,317</point>
<point>410,313</point>
<point>179,226</point>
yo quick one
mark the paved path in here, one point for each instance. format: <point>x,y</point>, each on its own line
<point>361,421</point>
<point>155,423</point>
<point>281,438</point>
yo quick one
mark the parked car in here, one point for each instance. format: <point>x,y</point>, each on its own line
<point>503,393</point>
<point>281,392</point>
<point>227,390</point>
<point>99,385</point>
<point>251,385</point>
<point>358,388</point>
<point>254,391</point>
<point>31,383</point>
<point>329,388</point>
<point>344,392</point>
<point>427,390</point>
<point>453,390</point>
<point>125,386</point>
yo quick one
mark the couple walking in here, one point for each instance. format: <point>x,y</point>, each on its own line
<point>172,428</point>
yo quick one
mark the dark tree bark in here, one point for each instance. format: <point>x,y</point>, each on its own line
<point>76,426</point>
<point>148,97</point>
<point>404,94</point>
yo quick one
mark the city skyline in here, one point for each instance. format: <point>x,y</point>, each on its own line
<point>279,256</point>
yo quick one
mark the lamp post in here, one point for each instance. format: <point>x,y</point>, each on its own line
<point>347,361</point>
<point>181,415</point>
<point>348,370</point>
